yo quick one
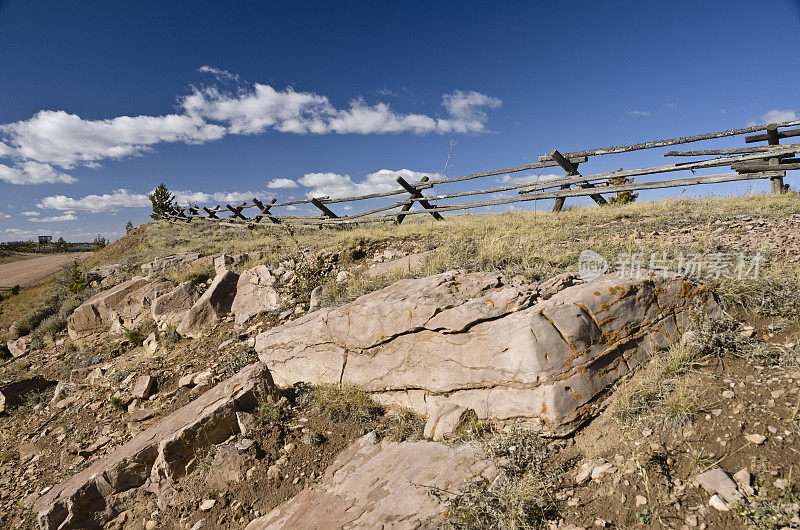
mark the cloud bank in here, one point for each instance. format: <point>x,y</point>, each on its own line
<point>34,151</point>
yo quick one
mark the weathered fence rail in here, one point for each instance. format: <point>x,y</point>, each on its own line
<point>770,161</point>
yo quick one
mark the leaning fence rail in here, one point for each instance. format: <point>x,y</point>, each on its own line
<point>770,161</point>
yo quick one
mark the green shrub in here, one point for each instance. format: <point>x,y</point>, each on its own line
<point>134,336</point>
<point>76,281</point>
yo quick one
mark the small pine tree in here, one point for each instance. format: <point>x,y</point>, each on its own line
<point>163,202</point>
<point>623,197</point>
<point>100,243</point>
<point>76,282</point>
<point>128,227</point>
<point>61,245</point>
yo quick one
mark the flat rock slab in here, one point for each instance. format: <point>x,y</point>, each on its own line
<point>162,453</point>
<point>481,342</point>
<point>384,485</point>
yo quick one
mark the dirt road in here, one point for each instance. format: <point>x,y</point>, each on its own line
<point>28,271</point>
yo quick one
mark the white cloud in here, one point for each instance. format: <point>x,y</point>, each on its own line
<point>335,186</point>
<point>57,218</point>
<point>261,108</point>
<point>66,140</point>
<point>30,214</point>
<point>4,216</point>
<point>671,106</point>
<point>122,198</point>
<point>637,112</point>
<point>219,73</point>
<point>199,197</point>
<point>528,179</point>
<point>281,183</point>
<point>31,172</point>
<point>108,202</point>
<point>778,115</point>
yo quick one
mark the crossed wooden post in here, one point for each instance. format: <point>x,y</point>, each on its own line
<point>572,170</point>
<point>237,211</point>
<point>265,211</point>
<point>416,195</point>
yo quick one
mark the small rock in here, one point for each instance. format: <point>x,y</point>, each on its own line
<point>640,500</point>
<point>273,472</point>
<point>207,504</point>
<point>728,394</point>
<point>202,378</point>
<point>716,502</point>
<point>199,524</point>
<point>717,481</point>
<point>316,298</point>
<point>144,387</point>
<point>151,343</point>
<point>246,421</point>
<point>150,525</point>
<point>756,439</point>
<point>600,470</point>
<point>371,438</point>
<point>186,381</point>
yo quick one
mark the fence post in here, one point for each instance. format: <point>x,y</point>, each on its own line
<point>265,211</point>
<point>416,195</point>
<point>572,170</point>
<point>775,183</point>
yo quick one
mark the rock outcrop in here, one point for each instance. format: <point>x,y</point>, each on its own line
<point>116,309</point>
<point>255,293</point>
<point>159,455</point>
<point>171,308</point>
<point>215,303</point>
<point>478,341</point>
<point>385,485</point>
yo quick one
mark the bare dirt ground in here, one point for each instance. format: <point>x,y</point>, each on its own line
<point>29,271</point>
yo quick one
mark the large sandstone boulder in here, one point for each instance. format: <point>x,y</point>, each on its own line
<point>385,485</point>
<point>215,303</point>
<point>159,455</point>
<point>477,341</point>
<point>171,308</point>
<point>116,309</point>
<point>255,293</point>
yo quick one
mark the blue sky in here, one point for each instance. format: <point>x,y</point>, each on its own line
<point>218,100</point>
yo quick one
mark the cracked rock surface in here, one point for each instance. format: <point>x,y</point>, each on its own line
<point>507,351</point>
<point>384,485</point>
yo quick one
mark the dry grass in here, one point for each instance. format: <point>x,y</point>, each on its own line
<point>660,394</point>
<point>522,498</point>
<point>340,402</point>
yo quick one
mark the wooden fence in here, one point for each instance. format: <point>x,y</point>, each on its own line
<point>769,161</point>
